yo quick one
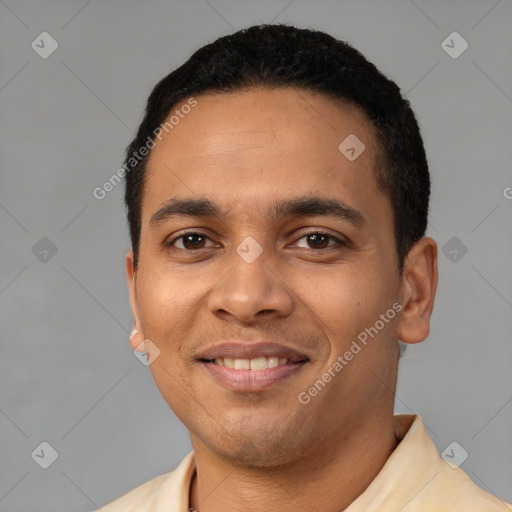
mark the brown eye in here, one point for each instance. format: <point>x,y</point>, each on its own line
<point>193,241</point>
<point>319,240</point>
<point>190,241</point>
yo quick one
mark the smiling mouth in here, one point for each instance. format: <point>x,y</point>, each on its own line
<point>252,375</point>
<point>255,364</point>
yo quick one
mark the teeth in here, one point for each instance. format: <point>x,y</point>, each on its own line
<point>273,362</point>
<point>257,364</point>
<point>242,364</point>
<point>260,363</point>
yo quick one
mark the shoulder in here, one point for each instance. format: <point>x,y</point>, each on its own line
<point>165,492</point>
<point>140,499</point>
<point>416,478</point>
<point>452,489</point>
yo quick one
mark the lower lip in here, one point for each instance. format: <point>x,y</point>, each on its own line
<point>251,380</point>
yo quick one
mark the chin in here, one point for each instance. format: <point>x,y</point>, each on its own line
<point>259,448</point>
<point>249,455</point>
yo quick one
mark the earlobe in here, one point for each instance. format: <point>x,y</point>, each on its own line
<point>137,335</point>
<point>419,284</point>
<point>137,341</point>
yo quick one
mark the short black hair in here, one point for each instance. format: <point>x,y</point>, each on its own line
<point>276,56</point>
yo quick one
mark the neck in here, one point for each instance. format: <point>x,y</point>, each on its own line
<point>329,480</point>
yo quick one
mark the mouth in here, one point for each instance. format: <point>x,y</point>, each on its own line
<point>252,367</point>
<point>257,364</point>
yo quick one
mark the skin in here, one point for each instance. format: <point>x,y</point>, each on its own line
<point>265,450</point>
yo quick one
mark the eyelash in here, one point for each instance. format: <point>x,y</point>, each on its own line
<point>337,241</point>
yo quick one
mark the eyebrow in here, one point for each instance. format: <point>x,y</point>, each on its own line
<point>305,206</point>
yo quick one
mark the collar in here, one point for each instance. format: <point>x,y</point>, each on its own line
<point>414,478</point>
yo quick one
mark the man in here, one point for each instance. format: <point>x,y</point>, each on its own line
<point>277,193</point>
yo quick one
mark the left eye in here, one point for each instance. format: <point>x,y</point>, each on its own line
<point>320,240</point>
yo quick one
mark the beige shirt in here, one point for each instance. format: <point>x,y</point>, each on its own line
<point>414,479</point>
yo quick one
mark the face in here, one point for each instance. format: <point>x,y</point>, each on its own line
<point>265,253</point>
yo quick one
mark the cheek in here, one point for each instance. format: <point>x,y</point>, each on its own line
<point>345,297</point>
<point>166,301</point>
<point>347,302</point>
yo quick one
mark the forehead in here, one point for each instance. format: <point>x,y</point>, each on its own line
<point>249,148</point>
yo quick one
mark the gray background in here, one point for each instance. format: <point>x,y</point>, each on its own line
<point>68,375</point>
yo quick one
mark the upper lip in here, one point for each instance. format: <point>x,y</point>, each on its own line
<point>251,350</point>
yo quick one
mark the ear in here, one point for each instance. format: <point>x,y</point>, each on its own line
<point>418,290</point>
<point>136,336</point>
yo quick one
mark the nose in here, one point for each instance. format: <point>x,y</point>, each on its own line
<point>250,292</point>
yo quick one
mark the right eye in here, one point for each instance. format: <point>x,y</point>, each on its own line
<point>189,241</point>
